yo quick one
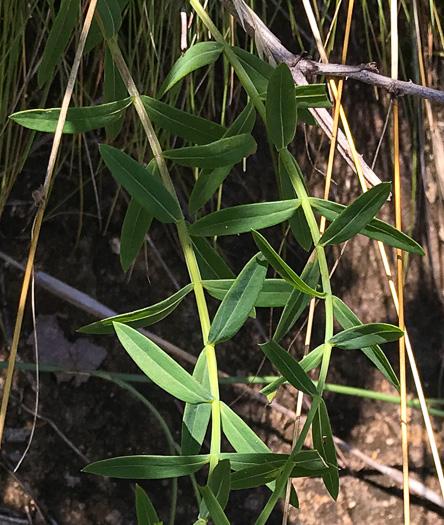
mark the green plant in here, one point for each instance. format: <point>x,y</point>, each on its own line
<point>214,150</point>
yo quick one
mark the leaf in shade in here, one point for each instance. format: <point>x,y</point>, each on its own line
<point>224,152</point>
<point>110,14</point>
<point>357,215</point>
<point>78,120</point>
<point>282,267</point>
<point>239,301</point>
<point>243,218</point>
<point>196,417</point>
<point>135,226</point>
<point>220,484</point>
<point>281,112</point>
<point>375,229</point>
<point>347,319</point>
<point>289,368</point>
<point>218,516</point>
<point>324,444</point>
<point>141,185</point>
<point>365,335</point>
<point>139,318</point>
<point>312,96</point>
<point>211,264</point>
<point>197,56</point>
<point>181,123</point>
<point>146,513</point>
<point>113,89</point>
<point>147,467</point>
<point>257,70</point>
<point>160,367</point>
<point>58,38</point>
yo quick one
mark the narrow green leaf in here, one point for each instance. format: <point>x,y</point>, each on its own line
<point>357,215</point>
<point>224,152</point>
<point>298,301</point>
<point>146,513</point>
<point>289,368</point>
<point>160,367</point>
<point>347,319</point>
<point>199,55</point>
<point>141,185</point>
<point>211,264</point>
<point>312,96</point>
<point>78,120</point>
<point>282,267</point>
<point>254,476</point>
<point>135,226</point>
<point>181,123</point>
<point>281,107</point>
<point>196,417</point>
<point>95,34</point>
<point>243,218</point>
<point>365,335</point>
<point>139,318</point>
<point>220,485</point>
<point>274,293</point>
<point>147,467</point>
<point>109,11</point>
<point>257,70</point>
<point>324,444</point>
<point>217,514</point>
<point>114,89</point>
<point>238,302</point>
<point>58,38</point>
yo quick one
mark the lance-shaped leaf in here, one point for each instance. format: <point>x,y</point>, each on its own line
<point>196,417</point>
<point>239,301</point>
<point>375,229</point>
<point>224,152</point>
<point>357,215</point>
<point>281,107</point>
<point>199,55</point>
<point>160,367</point>
<point>210,180</point>
<point>220,485</point>
<point>274,292</point>
<point>298,301</point>
<point>147,467</point>
<point>146,513</point>
<point>365,335</point>
<point>217,513</point>
<point>211,264</point>
<point>347,319</point>
<point>139,318</point>
<point>324,444</point>
<point>109,11</point>
<point>289,368</point>
<point>78,120</point>
<point>243,218</point>
<point>58,38</point>
<point>135,226</point>
<point>113,89</point>
<point>181,123</point>
<point>282,267</point>
<point>257,70</point>
<point>141,185</point>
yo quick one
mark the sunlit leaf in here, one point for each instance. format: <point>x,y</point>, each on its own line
<point>365,335</point>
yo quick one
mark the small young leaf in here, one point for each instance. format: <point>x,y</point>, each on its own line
<point>289,368</point>
<point>160,367</point>
<point>324,444</point>
<point>218,516</point>
<point>257,70</point>
<point>113,89</point>
<point>357,215</point>
<point>147,467</point>
<point>181,123</point>
<point>141,185</point>
<point>282,267</point>
<point>196,417</point>
<point>199,55</point>
<point>365,335</point>
<point>211,264</point>
<point>274,293</point>
<point>78,120</point>
<point>281,107</point>
<point>243,218</point>
<point>238,302</point>
<point>58,38</point>
<point>347,319</point>
<point>109,11</point>
<point>220,485</point>
<point>224,152</point>
<point>139,318</point>
<point>135,226</point>
<point>146,513</point>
